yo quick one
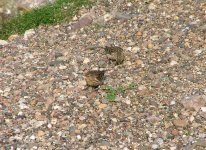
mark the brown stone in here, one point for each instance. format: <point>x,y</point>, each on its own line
<point>139,62</point>
<point>40,134</point>
<point>150,46</point>
<point>33,103</point>
<point>139,33</point>
<point>39,116</point>
<point>175,132</point>
<point>13,37</point>
<point>92,95</point>
<point>102,106</point>
<point>180,122</point>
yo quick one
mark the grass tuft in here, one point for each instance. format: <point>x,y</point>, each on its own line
<point>61,10</point>
<point>111,93</point>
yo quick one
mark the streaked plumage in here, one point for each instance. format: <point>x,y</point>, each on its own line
<point>94,78</point>
<point>116,54</point>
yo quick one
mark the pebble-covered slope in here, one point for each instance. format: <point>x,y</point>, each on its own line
<point>45,103</point>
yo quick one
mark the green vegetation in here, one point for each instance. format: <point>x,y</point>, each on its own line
<point>61,10</point>
<point>111,93</point>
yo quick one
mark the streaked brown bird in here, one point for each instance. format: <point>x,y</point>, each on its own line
<point>94,78</point>
<point>115,54</point>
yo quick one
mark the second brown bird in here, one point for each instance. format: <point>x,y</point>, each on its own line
<point>115,54</point>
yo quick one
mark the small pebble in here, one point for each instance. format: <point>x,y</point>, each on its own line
<point>150,46</point>
<point>129,4</point>
<point>86,61</point>
<point>172,63</point>
<point>172,103</point>
<point>154,146</point>
<point>173,148</point>
<point>129,48</point>
<point>20,113</point>
<point>102,106</point>
<point>49,125</point>
<point>152,6</point>
<point>28,34</point>
<point>139,62</point>
<point>203,109</point>
<point>175,132</point>
<point>142,87</point>
<point>160,141</point>
<point>62,67</point>
<point>176,18</point>
<point>32,137</point>
<point>125,148</point>
<point>79,137</point>
<point>135,49</point>
<point>34,147</point>
<point>197,52</point>
<point>128,102</point>
<point>54,121</point>
<point>192,118</point>
<point>139,33</point>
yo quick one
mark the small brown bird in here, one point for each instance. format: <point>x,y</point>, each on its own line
<point>115,54</point>
<point>94,78</point>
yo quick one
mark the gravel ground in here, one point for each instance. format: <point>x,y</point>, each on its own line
<point>161,104</point>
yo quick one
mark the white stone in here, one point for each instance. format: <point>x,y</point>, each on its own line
<point>135,49</point>
<point>172,103</point>
<point>86,61</point>
<point>49,125</point>
<point>23,106</point>
<point>128,102</point>
<point>197,52</point>
<point>79,137</point>
<point>54,121</point>
<point>20,113</point>
<point>114,119</point>
<point>160,141</point>
<point>36,124</point>
<point>73,37</point>
<point>173,148</point>
<point>34,147</point>
<point>154,146</point>
<point>129,4</point>
<point>57,107</point>
<point>74,18</point>
<point>62,67</point>
<point>175,78</point>
<point>28,56</point>
<point>32,137</point>
<point>7,89</point>
<point>28,34</point>
<point>203,109</point>
<point>192,118</point>
<point>129,48</point>
<point>142,87</point>
<point>3,42</point>
<point>107,17</point>
<point>152,6</point>
<point>172,63</point>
